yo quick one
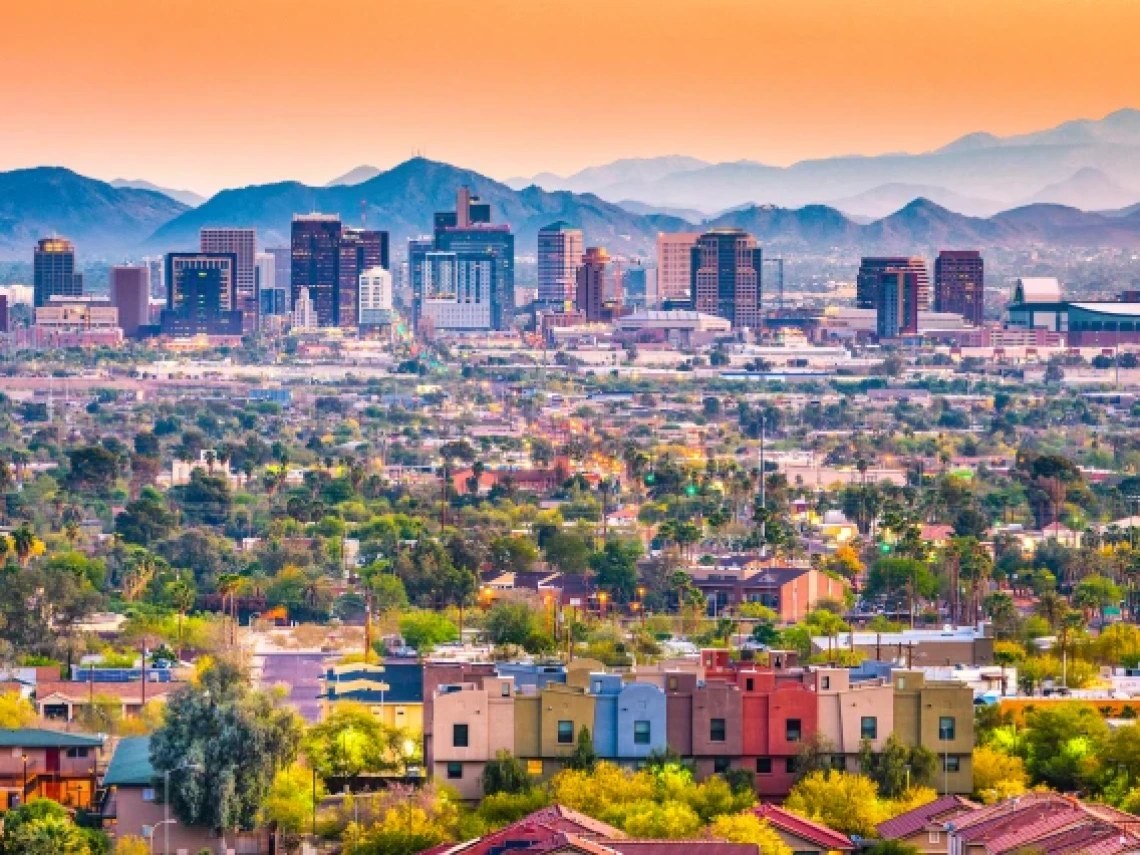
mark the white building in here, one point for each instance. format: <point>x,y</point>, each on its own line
<point>457,289</point>
<point>375,294</point>
<point>304,312</point>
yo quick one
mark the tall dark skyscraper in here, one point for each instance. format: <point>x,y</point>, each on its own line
<point>243,244</point>
<point>726,277</point>
<point>867,288</point>
<point>327,260</point>
<point>559,254</point>
<point>597,290</point>
<point>960,283</point>
<point>53,271</point>
<point>130,294</point>
<point>360,250</point>
<point>469,232</point>
<point>201,294</point>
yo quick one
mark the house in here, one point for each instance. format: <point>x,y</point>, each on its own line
<point>925,827</point>
<point>38,763</point>
<point>132,808</point>
<point>66,700</point>
<point>393,691</point>
<point>472,723</point>
<point>791,591</point>
<point>803,836</point>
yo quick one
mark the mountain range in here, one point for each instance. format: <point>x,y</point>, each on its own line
<point>1053,165</point>
<point>187,197</point>
<point>914,214</point>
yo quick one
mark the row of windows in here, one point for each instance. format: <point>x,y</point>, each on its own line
<point>718,731</point>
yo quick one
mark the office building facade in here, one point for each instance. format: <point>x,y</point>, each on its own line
<point>375,293</point>
<point>868,281</point>
<point>201,295</point>
<point>674,267</point>
<point>960,283</point>
<point>315,245</point>
<point>725,276</point>
<point>53,271</point>
<point>897,304</point>
<point>597,296</point>
<point>242,243</point>
<point>360,250</point>
<point>130,294</point>
<point>559,254</point>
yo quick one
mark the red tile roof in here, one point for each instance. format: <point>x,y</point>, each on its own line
<point>805,829</point>
<point>906,824</point>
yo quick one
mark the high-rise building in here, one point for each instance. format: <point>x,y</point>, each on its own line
<point>3,313</point>
<point>157,267</point>
<point>282,262</point>
<point>130,294</point>
<point>360,250</point>
<point>243,244</point>
<point>960,284</point>
<point>674,266</point>
<point>598,295</point>
<point>559,254</point>
<point>635,286</point>
<point>469,233</point>
<point>314,263</point>
<point>457,290</point>
<point>725,276</point>
<point>897,304</point>
<point>201,294</point>
<point>375,297</point>
<point>867,284</point>
<point>272,298</point>
<point>53,271</point>
<point>304,312</point>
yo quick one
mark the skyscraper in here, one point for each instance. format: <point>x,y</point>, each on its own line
<point>282,263</point>
<point>468,234</point>
<point>243,244</point>
<point>559,254</point>
<point>674,266</point>
<point>375,297</point>
<point>960,283</point>
<point>272,299</point>
<point>130,294</point>
<point>457,290</point>
<point>53,271</point>
<point>897,302</point>
<point>867,284</point>
<point>314,263</point>
<point>634,286</point>
<point>201,294</point>
<point>725,276</point>
<point>360,250</point>
<point>598,297</point>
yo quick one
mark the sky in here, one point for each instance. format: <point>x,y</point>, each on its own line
<point>205,94</point>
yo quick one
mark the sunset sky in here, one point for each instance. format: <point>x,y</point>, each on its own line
<point>204,94</point>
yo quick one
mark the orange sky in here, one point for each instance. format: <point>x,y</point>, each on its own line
<point>205,94</point>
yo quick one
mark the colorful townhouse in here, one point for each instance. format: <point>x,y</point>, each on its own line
<point>393,691</point>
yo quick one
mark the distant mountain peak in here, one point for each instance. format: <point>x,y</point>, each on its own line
<point>358,175</point>
<point>186,197</point>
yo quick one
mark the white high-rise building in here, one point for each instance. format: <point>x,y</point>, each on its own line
<point>375,294</point>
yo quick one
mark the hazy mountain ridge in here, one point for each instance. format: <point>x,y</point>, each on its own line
<point>186,197</point>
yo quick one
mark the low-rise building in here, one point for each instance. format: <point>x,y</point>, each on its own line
<point>37,763</point>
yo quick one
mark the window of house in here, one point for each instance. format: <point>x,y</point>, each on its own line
<point>721,765</point>
<point>148,794</point>
<point>749,684</point>
<point>793,730</point>
<point>951,763</point>
<point>77,752</point>
<point>673,684</point>
<point>506,690</point>
<point>716,730</point>
<point>641,733</point>
<point>763,765</point>
<point>825,682</point>
<point>790,765</point>
<point>454,771</point>
<point>869,727</point>
<point>459,735</point>
<point>565,732</point>
<point>946,728</point>
<point>597,687</point>
<point>839,762</point>
<point>935,837</point>
<point>534,767</point>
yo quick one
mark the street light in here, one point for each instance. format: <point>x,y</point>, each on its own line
<point>165,831</point>
<point>166,820</point>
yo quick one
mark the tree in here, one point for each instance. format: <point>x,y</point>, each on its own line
<point>351,741</point>
<point>584,758</point>
<point>1063,743</point>
<point>505,774</point>
<point>44,827</point>
<point>898,767</point>
<point>893,847</point>
<point>749,828</point>
<point>388,592</point>
<point>997,776</point>
<point>845,802</point>
<point>91,469</point>
<point>205,500</point>
<point>568,551</point>
<point>15,711</point>
<point>616,568</point>
<point>1094,593</point>
<point>237,739</point>
<point>510,623</point>
<point>513,554</point>
<point>146,520</point>
<point>423,630</point>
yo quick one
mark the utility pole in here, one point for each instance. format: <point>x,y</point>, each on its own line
<point>763,490</point>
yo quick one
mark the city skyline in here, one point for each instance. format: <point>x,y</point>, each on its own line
<point>996,75</point>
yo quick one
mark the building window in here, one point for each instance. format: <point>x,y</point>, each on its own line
<point>565,732</point>
<point>459,735</point>
<point>534,767</point>
<point>597,687</point>
<point>934,837</point>
<point>716,730</point>
<point>839,762</point>
<point>763,765</point>
<point>454,771</point>
<point>825,682</point>
<point>77,752</point>
<point>793,731</point>
<point>673,684</point>
<point>790,765</point>
<point>641,733</point>
<point>721,765</point>
<point>748,684</point>
<point>946,728</point>
<point>148,794</point>
<point>506,690</point>
<point>869,727</point>
<point>951,763</point>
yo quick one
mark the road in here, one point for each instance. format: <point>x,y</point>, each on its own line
<point>300,672</point>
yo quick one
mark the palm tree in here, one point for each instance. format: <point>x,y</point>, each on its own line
<point>228,586</point>
<point>23,543</point>
<point>182,597</point>
<point>71,531</point>
<point>1052,607</point>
